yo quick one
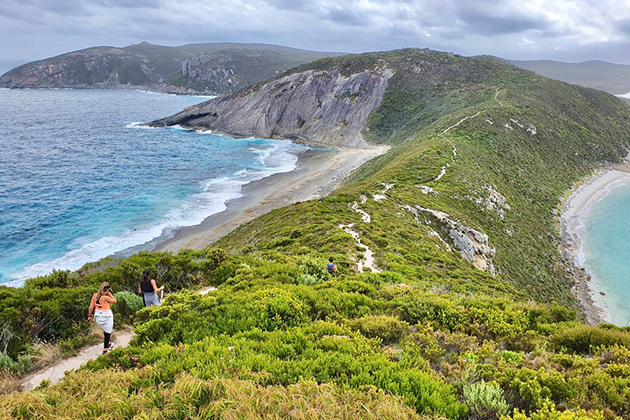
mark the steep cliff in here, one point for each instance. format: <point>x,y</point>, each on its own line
<point>189,69</point>
<point>323,107</point>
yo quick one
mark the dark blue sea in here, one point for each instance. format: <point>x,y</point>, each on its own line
<point>81,180</point>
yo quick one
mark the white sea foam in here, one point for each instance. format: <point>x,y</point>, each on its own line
<point>213,198</point>
<point>141,125</point>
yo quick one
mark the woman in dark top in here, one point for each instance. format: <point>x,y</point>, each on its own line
<point>149,290</point>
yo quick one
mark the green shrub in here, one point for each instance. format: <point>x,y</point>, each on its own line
<point>432,308</point>
<point>7,363</point>
<point>312,270</point>
<point>387,328</point>
<point>585,339</point>
<point>485,400</point>
<point>511,357</point>
<point>423,343</point>
<point>549,412</point>
<point>127,303</point>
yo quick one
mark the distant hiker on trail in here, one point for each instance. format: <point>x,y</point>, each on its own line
<point>331,267</point>
<point>100,306</point>
<point>149,290</point>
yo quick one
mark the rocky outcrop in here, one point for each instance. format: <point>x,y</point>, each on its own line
<point>232,69</point>
<point>202,68</point>
<point>323,107</point>
<point>472,244</point>
<point>488,198</point>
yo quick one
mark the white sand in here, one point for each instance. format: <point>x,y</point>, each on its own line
<point>315,177</point>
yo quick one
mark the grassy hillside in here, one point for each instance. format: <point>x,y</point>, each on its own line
<point>529,139</point>
<point>483,153</point>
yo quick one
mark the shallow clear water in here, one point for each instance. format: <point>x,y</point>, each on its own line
<point>79,181</point>
<point>607,253</point>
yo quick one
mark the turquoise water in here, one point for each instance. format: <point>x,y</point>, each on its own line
<point>607,253</point>
<point>79,180</point>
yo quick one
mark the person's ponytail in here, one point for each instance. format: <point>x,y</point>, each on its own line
<point>104,287</point>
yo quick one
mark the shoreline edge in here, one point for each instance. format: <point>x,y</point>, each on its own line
<point>574,211</point>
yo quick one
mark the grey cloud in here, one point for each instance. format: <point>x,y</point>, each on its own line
<point>129,4</point>
<point>623,26</point>
<point>23,9</point>
<point>346,16</point>
<point>487,22</point>
<point>291,4</point>
<point>494,27</point>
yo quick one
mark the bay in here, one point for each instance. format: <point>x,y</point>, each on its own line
<point>80,180</point>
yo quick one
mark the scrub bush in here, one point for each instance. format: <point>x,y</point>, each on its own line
<point>485,400</point>
<point>584,339</point>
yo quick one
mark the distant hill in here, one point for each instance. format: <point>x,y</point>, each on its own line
<point>196,68</point>
<point>609,77</point>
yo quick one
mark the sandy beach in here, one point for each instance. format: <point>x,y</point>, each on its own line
<point>574,212</point>
<point>317,175</point>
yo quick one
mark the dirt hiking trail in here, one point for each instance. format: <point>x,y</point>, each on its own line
<point>55,372</point>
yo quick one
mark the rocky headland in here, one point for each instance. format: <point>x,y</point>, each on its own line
<point>189,69</point>
<point>320,107</point>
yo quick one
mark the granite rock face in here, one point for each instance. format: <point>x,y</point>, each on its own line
<point>472,244</point>
<point>321,107</point>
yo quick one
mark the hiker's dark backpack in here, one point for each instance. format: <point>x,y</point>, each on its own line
<point>331,268</point>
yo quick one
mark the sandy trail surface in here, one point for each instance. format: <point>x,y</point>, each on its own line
<point>58,370</point>
<point>55,372</point>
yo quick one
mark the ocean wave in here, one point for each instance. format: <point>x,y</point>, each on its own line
<point>142,125</point>
<point>215,195</point>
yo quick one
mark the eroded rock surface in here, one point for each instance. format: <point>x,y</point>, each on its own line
<point>322,107</point>
<point>472,244</point>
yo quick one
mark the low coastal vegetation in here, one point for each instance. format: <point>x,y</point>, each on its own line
<point>466,311</point>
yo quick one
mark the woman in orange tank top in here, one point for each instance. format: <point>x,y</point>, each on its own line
<point>100,306</point>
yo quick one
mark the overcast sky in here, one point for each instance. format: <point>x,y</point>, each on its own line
<point>516,29</point>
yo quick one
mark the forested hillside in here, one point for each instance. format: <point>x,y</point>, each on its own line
<point>452,298</point>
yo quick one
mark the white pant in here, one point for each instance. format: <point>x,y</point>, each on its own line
<point>104,319</point>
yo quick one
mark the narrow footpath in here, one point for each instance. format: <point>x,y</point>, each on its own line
<point>55,372</point>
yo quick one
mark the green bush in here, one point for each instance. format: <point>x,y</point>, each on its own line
<point>585,339</point>
<point>485,400</point>
<point>511,357</point>
<point>432,308</point>
<point>7,363</point>
<point>549,412</point>
<point>387,328</point>
<point>127,303</point>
